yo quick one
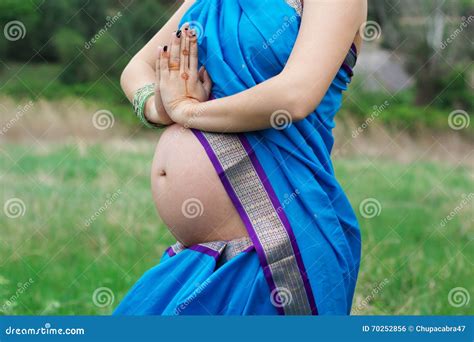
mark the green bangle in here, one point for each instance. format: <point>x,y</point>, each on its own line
<point>139,102</point>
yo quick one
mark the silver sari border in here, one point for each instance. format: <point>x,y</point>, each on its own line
<point>297,5</point>
<point>249,189</point>
<point>221,251</point>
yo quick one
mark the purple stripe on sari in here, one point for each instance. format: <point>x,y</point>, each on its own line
<point>235,200</point>
<point>348,69</point>
<point>249,249</point>
<point>276,204</point>
<point>170,252</point>
<point>354,48</point>
<point>205,250</point>
<point>346,66</point>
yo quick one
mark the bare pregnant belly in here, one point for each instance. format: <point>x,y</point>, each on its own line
<point>188,194</point>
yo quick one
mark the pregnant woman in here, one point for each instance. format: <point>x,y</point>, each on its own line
<point>242,175</point>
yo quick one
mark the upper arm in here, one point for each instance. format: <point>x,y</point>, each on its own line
<point>149,52</point>
<point>327,30</point>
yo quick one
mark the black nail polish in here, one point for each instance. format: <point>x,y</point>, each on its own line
<point>165,48</point>
<point>178,33</point>
<point>187,28</point>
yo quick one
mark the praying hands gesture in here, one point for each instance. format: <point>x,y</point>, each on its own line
<point>181,90</point>
<point>180,84</point>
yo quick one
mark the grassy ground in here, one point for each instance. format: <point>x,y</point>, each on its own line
<point>54,257</point>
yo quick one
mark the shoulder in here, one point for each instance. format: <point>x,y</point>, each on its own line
<point>350,11</point>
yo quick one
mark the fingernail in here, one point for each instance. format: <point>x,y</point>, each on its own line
<point>178,33</point>
<point>165,48</point>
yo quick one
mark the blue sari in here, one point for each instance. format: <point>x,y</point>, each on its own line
<point>303,252</point>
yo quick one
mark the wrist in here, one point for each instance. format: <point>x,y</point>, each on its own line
<point>186,112</point>
<point>153,115</point>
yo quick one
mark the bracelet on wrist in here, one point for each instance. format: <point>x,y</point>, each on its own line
<point>139,104</point>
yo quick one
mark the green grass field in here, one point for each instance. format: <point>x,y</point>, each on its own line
<point>53,257</point>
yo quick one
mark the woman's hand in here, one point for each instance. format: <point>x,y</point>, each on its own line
<point>155,112</point>
<point>181,85</point>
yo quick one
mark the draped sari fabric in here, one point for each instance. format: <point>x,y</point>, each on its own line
<point>304,249</point>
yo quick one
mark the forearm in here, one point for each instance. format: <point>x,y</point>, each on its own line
<point>137,74</point>
<point>260,107</point>
<point>314,62</point>
<point>140,71</point>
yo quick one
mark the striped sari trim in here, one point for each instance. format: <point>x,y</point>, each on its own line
<point>254,198</point>
<point>221,251</point>
<point>297,5</point>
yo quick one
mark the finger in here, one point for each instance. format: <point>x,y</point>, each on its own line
<point>174,51</point>
<point>206,81</point>
<point>164,70</point>
<point>193,55</point>
<point>184,67</point>
<point>157,69</point>
<point>185,28</point>
<point>201,73</point>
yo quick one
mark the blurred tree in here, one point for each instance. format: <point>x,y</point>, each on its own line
<point>18,20</point>
<point>104,58</point>
<point>68,44</point>
<point>43,18</point>
<point>432,35</point>
<point>60,30</point>
<point>457,90</point>
<point>88,17</point>
<point>3,50</point>
<point>140,22</point>
<point>53,16</point>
